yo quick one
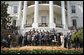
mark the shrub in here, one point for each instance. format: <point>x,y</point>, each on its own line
<point>79,34</point>
<point>7,32</point>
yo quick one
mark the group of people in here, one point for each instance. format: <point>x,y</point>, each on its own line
<point>39,38</point>
<point>45,38</point>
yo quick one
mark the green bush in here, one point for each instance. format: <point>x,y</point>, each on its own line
<point>7,32</point>
<point>42,52</point>
<point>79,34</point>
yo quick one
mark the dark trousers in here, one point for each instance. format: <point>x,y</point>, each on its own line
<point>40,42</point>
<point>25,42</point>
<point>33,42</point>
<point>8,45</point>
<point>76,45</point>
<point>47,42</point>
<point>43,42</point>
<point>28,42</point>
<point>20,43</point>
<point>36,42</point>
<point>69,44</point>
<point>65,44</point>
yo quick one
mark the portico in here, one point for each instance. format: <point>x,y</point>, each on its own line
<point>40,16</point>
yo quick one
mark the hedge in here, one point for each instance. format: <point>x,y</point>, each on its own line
<point>42,52</point>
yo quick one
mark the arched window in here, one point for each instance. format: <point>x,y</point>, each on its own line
<point>74,22</point>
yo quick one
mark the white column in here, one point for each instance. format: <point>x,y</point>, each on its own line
<point>19,13</point>
<point>51,16</point>
<point>35,24</point>
<point>63,15</point>
<point>24,15</point>
<point>68,15</point>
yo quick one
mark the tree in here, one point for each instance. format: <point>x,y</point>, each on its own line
<point>4,15</point>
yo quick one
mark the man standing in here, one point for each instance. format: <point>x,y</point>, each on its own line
<point>62,40</point>
<point>43,38</point>
<point>40,38</point>
<point>50,38</point>
<point>33,39</point>
<point>76,41</point>
<point>37,37</point>
<point>25,38</point>
<point>65,41</point>
<point>69,40</point>
<point>28,39</point>
<point>9,40</point>
<point>58,39</point>
<point>20,39</point>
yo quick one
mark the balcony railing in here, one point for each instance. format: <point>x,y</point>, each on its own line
<point>59,25</point>
<point>43,24</point>
<point>43,2</point>
<point>57,3</point>
<point>28,25</point>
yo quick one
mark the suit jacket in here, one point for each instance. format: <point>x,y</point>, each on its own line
<point>76,40</point>
<point>29,38</point>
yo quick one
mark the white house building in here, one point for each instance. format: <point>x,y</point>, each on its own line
<point>45,15</point>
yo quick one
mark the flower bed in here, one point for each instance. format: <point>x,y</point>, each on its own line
<point>40,51</point>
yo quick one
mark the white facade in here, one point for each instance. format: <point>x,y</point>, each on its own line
<point>46,16</point>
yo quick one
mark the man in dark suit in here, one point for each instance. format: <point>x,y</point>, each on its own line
<point>20,39</point>
<point>9,40</point>
<point>69,40</point>
<point>33,39</point>
<point>40,38</point>
<point>76,41</point>
<point>52,37</point>
<point>43,38</point>
<point>65,42</point>
<point>49,39</point>
<point>58,39</point>
<point>25,38</point>
<point>37,38</point>
<point>28,39</point>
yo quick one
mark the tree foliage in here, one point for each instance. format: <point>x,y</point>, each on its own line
<point>4,15</point>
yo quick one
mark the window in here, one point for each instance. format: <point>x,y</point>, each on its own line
<point>73,9</point>
<point>74,22</point>
<point>43,19</point>
<point>15,9</point>
<point>14,22</point>
<point>54,20</point>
